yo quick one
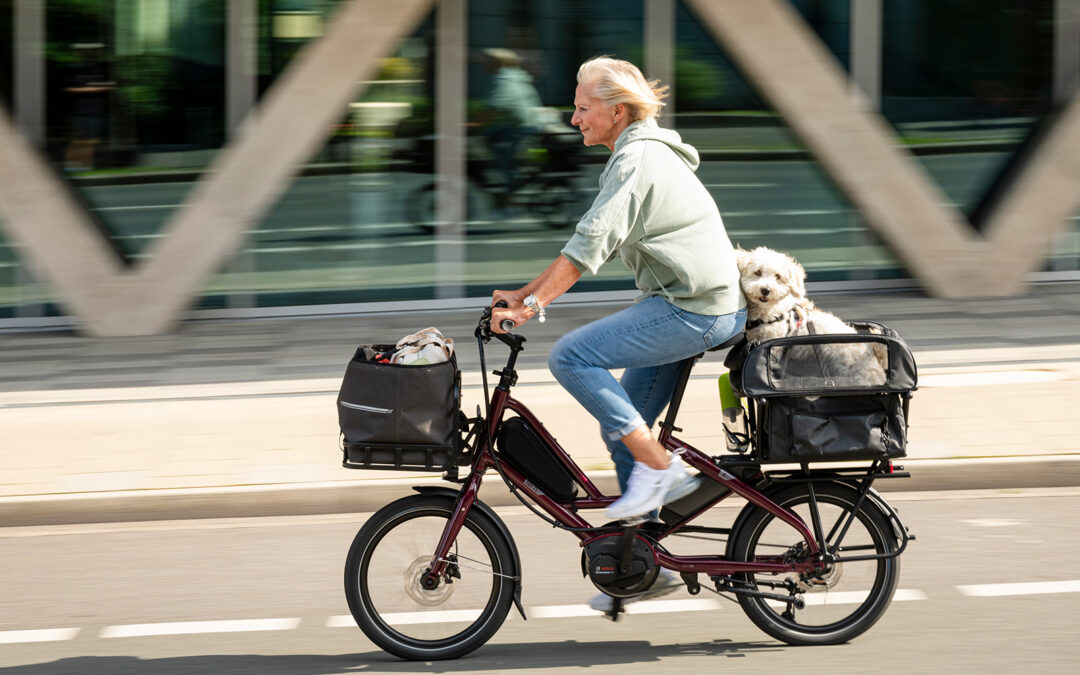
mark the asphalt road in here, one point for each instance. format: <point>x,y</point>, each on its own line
<point>987,587</point>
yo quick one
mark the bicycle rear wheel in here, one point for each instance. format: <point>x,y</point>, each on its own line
<point>391,554</point>
<point>846,599</point>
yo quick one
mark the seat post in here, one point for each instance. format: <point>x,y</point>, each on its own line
<point>668,425</point>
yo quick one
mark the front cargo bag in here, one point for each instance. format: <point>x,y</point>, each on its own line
<point>522,448</point>
<point>399,416</point>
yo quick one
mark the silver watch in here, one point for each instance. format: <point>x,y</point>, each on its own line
<point>534,304</point>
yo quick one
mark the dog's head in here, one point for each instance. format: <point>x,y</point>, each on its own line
<point>770,280</point>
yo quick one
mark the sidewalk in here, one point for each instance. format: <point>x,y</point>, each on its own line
<point>230,418</point>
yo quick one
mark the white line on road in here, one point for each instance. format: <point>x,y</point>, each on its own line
<point>989,379</point>
<point>190,627</point>
<point>1025,588</point>
<point>573,611</point>
<point>853,597</point>
<point>539,612</point>
<point>8,637</point>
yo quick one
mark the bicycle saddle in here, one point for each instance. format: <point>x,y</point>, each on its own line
<point>730,342</point>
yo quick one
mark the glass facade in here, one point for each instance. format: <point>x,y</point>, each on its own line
<point>966,83</point>
<point>339,234</point>
<point>137,105</point>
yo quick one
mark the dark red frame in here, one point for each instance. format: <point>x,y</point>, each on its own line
<point>567,514</point>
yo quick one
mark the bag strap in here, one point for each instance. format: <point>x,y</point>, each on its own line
<point>817,352</point>
<point>428,336</point>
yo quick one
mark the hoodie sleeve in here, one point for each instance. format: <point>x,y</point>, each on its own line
<point>609,221</point>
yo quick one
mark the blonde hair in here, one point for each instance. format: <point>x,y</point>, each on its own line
<point>616,81</point>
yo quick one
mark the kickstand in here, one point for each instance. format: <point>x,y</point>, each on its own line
<point>616,609</point>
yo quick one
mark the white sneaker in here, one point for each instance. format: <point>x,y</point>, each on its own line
<point>647,489</point>
<point>666,582</point>
<point>684,487</point>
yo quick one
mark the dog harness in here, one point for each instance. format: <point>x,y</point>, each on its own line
<point>793,317</point>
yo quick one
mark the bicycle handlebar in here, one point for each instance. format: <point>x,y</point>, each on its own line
<point>485,319</point>
<point>483,328</point>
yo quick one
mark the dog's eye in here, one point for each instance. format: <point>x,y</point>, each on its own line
<point>757,273</point>
<point>779,278</point>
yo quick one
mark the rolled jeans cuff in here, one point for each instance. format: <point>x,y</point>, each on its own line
<point>626,430</point>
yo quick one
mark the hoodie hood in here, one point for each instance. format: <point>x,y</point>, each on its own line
<point>648,130</point>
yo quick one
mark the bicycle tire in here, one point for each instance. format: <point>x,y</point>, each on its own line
<point>832,622</point>
<point>385,618</point>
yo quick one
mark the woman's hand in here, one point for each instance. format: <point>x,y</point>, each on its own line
<point>553,282</point>
<point>515,309</point>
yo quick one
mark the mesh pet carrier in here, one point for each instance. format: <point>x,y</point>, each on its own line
<point>830,397</point>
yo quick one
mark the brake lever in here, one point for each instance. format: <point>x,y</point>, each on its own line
<point>507,324</point>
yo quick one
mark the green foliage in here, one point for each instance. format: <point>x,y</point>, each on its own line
<point>697,80</point>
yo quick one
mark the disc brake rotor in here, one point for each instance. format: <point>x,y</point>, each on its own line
<point>415,590</point>
<point>821,581</point>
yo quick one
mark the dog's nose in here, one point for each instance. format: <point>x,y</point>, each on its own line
<point>765,292</point>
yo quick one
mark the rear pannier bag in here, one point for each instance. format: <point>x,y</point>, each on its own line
<point>836,428</point>
<point>830,397</point>
<point>402,417</point>
<point>522,448</point>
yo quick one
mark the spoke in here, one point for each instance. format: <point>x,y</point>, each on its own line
<point>484,566</point>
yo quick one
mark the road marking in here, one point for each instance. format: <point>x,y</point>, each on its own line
<point>992,522</point>
<point>665,606</point>
<point>989,379</point>
<point>9,637</point>
<point>646,607</point>
<point>538,612</point>
<point>852,597</point>
<point>190,627</point>
<point>1025,588</point>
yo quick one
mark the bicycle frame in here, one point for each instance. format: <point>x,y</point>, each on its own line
<point>567,513</point>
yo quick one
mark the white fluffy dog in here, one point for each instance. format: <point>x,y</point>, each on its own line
<point>775,288</point>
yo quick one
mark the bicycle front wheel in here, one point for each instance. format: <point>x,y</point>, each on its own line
<point>841,602</point>
<point>391,554</point>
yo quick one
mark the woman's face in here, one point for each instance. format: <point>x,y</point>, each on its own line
<point>600,124</point>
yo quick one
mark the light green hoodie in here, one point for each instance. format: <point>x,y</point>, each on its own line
<point>654,212</point>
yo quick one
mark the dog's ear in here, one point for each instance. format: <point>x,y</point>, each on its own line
<point>798,277</point>
<point>742,259</point>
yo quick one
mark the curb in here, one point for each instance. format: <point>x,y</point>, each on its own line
<point>365,496</point>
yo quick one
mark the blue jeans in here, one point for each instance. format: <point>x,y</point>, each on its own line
<point>650,340</point>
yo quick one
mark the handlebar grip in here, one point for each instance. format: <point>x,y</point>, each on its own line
<point>507,325</point>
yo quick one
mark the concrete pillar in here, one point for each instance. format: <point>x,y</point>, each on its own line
<point>451,49</point>
<point>660,51</point>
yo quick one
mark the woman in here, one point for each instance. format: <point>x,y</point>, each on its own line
<point>658,217</point>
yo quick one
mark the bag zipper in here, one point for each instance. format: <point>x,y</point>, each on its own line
<point>367,408</point>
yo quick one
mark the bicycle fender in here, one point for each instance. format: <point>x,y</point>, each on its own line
<point>872,496</point>
<point>903,536</point>
<point>489,513</point>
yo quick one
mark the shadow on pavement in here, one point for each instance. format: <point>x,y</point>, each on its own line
<point>496,657</point>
